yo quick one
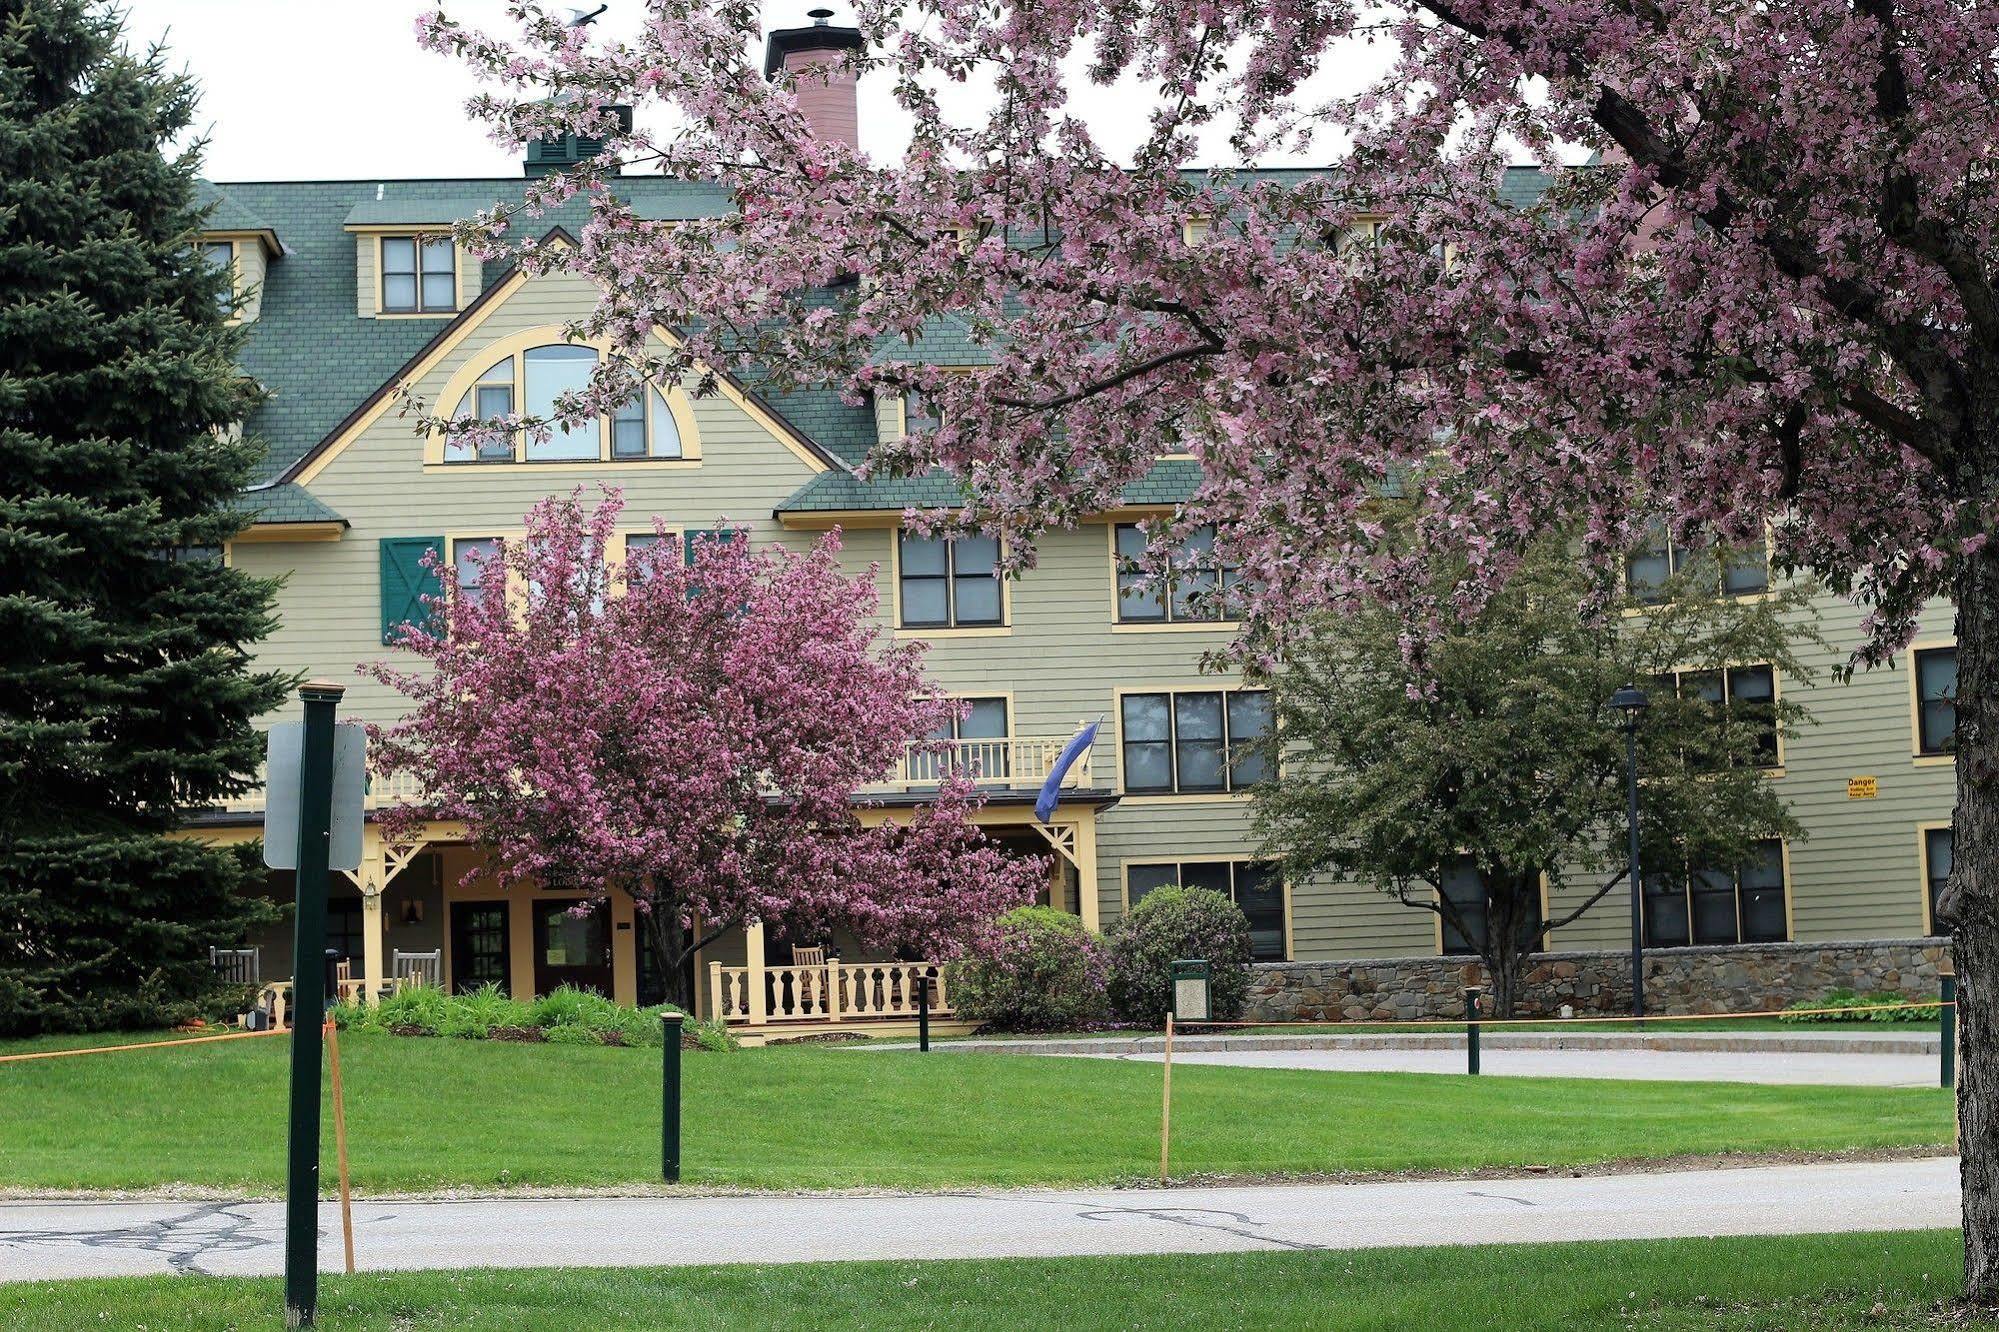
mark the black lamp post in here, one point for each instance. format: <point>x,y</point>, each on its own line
<point>1631,701</point>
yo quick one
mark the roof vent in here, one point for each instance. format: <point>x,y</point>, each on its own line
<point>820,17</point>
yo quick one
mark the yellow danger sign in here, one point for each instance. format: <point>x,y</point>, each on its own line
<point>1862,788</point>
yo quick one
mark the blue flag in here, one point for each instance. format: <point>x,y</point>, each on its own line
<point>1051,790</point>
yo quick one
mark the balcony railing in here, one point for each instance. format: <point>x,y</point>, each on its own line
<point>399,789</point>
<point>1022,761</point>
<point>1012,761</point>
<point>832,992</point>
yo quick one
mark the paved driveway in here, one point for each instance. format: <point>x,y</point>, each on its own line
<point>1858,1068</point>
<point>40,1240</point>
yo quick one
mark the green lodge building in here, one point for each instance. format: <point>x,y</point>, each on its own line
<point>354,292</point>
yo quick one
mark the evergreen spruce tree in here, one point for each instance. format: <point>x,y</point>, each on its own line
<point>126,686</point>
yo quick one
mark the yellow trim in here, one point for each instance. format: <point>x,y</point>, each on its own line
<point>1195,228</point>
<point>1192,858</point>
<point>1001,630</point>
<point>1923,831</point>
<point>271,533</point>
<point>1218,684</point>
<point>266,240</point>
<point>1167,626</point>
<point>470,321</point>
<point>515,348</point>
<point>1920,758</point>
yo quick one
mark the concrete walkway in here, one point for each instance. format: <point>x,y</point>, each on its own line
<point>44,1240</point>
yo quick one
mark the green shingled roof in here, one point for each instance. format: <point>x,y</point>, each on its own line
<point>320,360</point>
<point>308,346</point>
<point>286,503</point>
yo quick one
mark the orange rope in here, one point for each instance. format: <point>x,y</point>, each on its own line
<point>1586,1021</point>
<point>143,1045</point>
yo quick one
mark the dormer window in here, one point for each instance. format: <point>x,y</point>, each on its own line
<point>645,428</point>
<point>419,275</point>
<point>221,256</point>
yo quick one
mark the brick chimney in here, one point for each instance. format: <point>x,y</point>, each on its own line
<point>831,102</point>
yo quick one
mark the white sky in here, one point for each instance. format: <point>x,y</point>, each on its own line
<point>306,91</point>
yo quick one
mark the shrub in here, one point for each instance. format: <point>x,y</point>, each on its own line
<point>1044,971</point>
<point>568,1006</point>
<point>1843,998</point>
<point>420,1008</point>
<point>711,1034</point>
<point>572,1033</point>
<point>474,1014</point>
<point>1168,924</point>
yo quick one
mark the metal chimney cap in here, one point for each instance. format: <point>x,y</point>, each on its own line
<point>819,16</point>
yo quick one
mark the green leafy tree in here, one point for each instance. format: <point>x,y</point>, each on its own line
<point>1459,784</point>
<point>126,689</point>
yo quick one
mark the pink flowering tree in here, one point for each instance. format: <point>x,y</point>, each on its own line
<point>692,730</point>
<point>1757,288</point>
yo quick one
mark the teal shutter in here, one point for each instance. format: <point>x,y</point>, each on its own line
<point>695,539</point>
<point>406,582</point>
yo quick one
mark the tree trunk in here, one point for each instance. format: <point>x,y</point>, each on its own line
<point>1970,907</point>
<point>1513,907</point>
<point>669,950</point>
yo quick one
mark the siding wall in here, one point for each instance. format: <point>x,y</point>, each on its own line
<point>1061,661</point>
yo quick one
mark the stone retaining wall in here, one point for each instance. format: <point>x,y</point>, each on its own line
<point>1730,978</point>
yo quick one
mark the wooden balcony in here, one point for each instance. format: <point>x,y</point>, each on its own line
<point>1017,761</point>
<point>1023,761</point>
<point>763,1003</point>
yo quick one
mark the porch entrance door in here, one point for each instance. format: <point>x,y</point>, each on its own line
<point>572,950</point>
<point>479,951</point>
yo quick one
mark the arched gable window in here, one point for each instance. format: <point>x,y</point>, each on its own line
<point>529,382</point>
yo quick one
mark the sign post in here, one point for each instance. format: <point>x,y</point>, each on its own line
<point>301,760</point>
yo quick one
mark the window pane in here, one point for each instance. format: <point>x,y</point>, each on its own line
<point>399,291</point>
<point>1752,693</point>
<point>440,291</point>
<point>1142,879</point>
<point>922,555</point>
<point>1249,720</point>
<point>1145,717</point>
<point>1198,716</point>
<point>438,257</point>
<point>1703,686</point>
<point>985,721</point>
<point>1646,571</point>
<point>923,601</point>
<point>1194,587</point>
<point>1212,875</point>
<point>978,599</point>
<point>1937,846</point>
<point>1713,893</point>
<point>1763,896</point>
<point>974,555</point>
<point>628,438</point>
<point>476,561</point>
<point>665,429</point>
<point>1665,912</point>
<point>221,256</point>
<point>551,371</point>
<point>1137,600</point>
<point>398,256</point>
<point>1464,888</point>
<point>1936,684</point>
<point>1148,765</point>
<point>1259,891</point>
<point>1746,571</point>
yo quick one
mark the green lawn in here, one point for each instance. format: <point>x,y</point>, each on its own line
<point>429,1114</point>
<point>1807,1283</point>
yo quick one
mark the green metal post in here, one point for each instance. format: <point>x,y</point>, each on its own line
<point>669,1098</point>
<point>1947,1031</point>
<point>923,1012</point>
<point>1471,1031</point>
<point>308,1003</point>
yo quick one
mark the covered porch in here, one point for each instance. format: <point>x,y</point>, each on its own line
<point>421,914</point>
